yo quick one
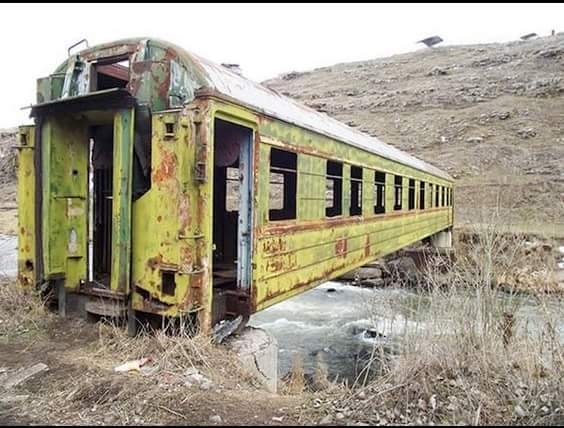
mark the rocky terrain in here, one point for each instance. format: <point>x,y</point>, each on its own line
<point>8,220</point>
<point>491,115</point>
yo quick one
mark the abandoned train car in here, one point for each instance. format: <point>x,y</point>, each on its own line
<point>154,181</point>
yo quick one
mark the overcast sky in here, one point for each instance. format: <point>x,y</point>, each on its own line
<point>265,40</point>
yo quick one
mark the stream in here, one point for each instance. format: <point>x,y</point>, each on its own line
<point>340,324</point>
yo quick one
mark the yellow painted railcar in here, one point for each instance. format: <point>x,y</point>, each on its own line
<point>155,182</point>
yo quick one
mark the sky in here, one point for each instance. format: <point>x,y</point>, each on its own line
<point>265,39</point>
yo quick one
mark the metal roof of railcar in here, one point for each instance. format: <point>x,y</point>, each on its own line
<point>274,104</point>
<point>271,103</point>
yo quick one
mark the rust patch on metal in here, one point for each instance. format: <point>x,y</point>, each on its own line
<point>167,168</point>
<point>274,265</point>
<point>183,212</point>
<point>275,293</point>
<point>253,301</point>
<point>341,247</point>
<point>367,246</point>
<point>24,281</point>
<point>140,67</point>
<point>291,226</point>
<point>186,258</point>
<point>109,51</point>
<point>154,262</point>
<point>274,246</point>
<point>170,54</point>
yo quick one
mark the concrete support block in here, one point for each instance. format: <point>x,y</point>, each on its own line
<point>442,239</point>
<point>258,351</point>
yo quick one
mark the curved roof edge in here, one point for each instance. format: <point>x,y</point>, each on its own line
<point>267,101</point>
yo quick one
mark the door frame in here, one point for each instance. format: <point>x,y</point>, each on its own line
<point>246,191</point>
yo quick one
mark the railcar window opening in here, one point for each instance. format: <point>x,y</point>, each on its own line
<point>437,194</point>
<point>110,74</point>
<point>282,185</point>
<point>356,191</point>
<point>430,195</point>
<point>442,196</point>
<point>334,189</point>
<point>411,194</point>
<point>422,195</point>
<point>398,187</point>
<point>379,192</point>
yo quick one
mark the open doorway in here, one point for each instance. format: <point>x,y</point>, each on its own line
<point>101,194</point>
<point>231,214</point>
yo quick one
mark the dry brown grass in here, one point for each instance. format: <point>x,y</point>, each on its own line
<point>22,312</point>
<point>172,354</point>
<point>81,386</point>
<point>476,355</point>
<point>295,382</point>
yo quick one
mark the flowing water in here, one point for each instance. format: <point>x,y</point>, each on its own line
<point>343,323</point>
<point>336,323</point>
<point>340,323</point>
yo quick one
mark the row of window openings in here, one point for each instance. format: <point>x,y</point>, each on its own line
<point>283,189</point>
<point>443,195</point>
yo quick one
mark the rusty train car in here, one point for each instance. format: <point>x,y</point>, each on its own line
<point>157,183</point>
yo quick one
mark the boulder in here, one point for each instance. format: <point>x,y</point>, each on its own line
<point>362,273</point>
<point>404,268</point>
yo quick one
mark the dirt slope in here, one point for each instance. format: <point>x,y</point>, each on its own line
<point>491,115</point>
<point>8,220</point>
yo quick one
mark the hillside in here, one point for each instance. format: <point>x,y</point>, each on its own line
<point>8,220</point>
<point>491,115</point>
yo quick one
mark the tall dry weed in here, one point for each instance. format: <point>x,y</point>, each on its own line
<point>22,312</point>
<point>476,354</point>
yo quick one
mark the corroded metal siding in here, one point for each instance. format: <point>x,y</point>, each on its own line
<point>167,76</point>
<point>171,225</point>
<point>294,255</point>
<point>294,260</point>
<point>291,256</point>
<point>64,199</point>
<point>27,264</point>
<point>162,242</point>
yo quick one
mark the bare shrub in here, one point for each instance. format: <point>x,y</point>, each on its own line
<point>22,312</point>
<point>173,353</point>
<point>477,355</point>
<point>295,382</point>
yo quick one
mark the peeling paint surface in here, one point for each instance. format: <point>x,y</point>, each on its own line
<point>162,240</point>
<point>193,72</point>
